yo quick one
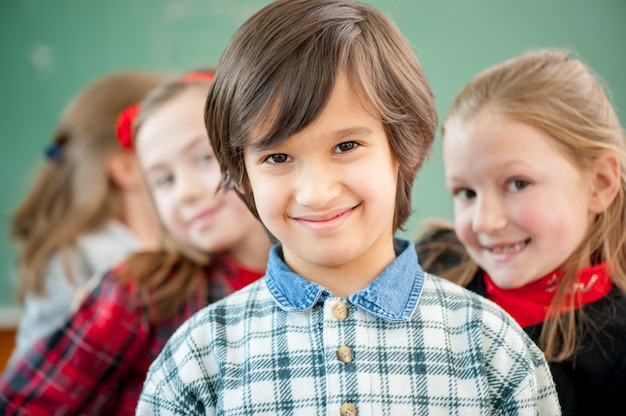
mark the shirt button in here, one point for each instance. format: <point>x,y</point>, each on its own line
<point>340,311</point>
<point>348,409</point>
<point>345,354</point>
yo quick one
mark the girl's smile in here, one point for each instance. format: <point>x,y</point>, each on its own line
<point>205,218</point>
<point>506,251</point>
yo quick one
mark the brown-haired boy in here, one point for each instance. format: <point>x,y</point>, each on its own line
<point>320,115</point>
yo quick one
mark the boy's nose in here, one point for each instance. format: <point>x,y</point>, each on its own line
<point>489,215</point>
<point>317,186</point>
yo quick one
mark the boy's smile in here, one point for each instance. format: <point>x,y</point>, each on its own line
<point>328,194</point>
<point>327,222</point>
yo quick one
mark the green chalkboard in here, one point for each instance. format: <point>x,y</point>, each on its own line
<point>51,49</point>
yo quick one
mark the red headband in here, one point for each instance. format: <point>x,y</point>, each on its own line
<point>126,119</point>
<point>197,76</point>
<point>124,127</point>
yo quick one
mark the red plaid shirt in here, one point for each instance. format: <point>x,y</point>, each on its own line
<point>97,362</point>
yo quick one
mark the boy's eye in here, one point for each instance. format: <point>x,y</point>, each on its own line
<point>277,158</point>
<point>346,146</point>
<point>517,185</point>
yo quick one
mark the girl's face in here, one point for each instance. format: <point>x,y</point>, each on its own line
<point>521,207</point>
<point>183,175</point>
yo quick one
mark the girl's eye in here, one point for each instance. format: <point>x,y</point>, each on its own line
<point>163,181</point>
<point>465,194</point>
<point>346,146</point>
<point>277,158</point>
<point>517,185</point>
<point>205,159</point>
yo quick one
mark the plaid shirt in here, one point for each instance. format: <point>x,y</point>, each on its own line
<point>96,363</point>
<point>410,343</point>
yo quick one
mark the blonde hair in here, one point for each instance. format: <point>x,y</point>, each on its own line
<point>173,272</point>
<point>72,194</point>
<point>558,94</point>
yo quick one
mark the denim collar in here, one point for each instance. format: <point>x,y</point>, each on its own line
<point>393,295</point>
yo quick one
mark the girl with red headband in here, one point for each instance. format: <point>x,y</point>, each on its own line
<point>212,246</point>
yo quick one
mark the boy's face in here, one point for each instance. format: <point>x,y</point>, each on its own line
<point>328,192</point>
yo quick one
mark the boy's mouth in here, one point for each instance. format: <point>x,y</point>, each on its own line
<point>325,217</point>
<point>326,222</point>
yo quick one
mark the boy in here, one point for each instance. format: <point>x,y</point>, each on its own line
<point>320,116</point>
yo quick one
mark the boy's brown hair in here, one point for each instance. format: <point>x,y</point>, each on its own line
<point>276,75</point>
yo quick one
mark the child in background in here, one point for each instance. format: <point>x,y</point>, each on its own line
<point>97,362</point>
<point>87,210</point>
<point>535,158</point>
<point>320,116</point>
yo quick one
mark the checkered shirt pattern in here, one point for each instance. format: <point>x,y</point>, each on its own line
<point>455,354</point>
<point>97,362</point>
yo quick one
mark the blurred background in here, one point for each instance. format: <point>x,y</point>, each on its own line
<point>50,49</point>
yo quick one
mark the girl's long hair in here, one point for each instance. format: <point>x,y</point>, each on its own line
<point>174,271</point>
<point>72,194</point>
<point>560,95</point>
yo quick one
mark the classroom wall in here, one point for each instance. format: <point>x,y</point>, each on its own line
<point>50,49</point>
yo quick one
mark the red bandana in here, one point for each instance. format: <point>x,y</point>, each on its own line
<point>126,118</point>
<point>529,304</point>
<point>124,126</point>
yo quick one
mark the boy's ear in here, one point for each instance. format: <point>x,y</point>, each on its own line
<point>606,182</point>
<point>124,171</point>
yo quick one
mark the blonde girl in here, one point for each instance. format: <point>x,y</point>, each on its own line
<point>87,209</point>
<point>536,161</point>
